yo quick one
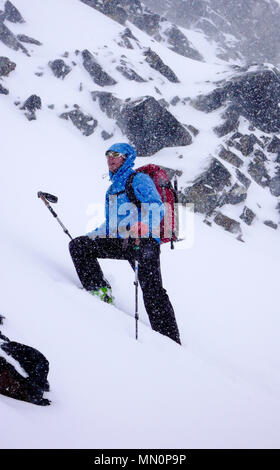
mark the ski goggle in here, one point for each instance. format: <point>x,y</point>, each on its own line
<point>111,153</point>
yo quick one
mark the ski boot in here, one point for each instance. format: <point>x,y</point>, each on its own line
<point>104,293</point>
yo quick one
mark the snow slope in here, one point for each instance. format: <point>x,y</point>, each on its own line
<point>222,387</point>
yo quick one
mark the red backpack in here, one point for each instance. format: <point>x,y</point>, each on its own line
<point>167,193</point>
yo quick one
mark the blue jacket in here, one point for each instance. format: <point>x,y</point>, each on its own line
<point>120,213</point>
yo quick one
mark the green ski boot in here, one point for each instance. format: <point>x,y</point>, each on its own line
<point>104,293</point>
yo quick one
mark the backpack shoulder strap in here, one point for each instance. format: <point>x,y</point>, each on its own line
<point>130,191</point>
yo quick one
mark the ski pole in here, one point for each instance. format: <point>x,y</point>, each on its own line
<point>46,198</point>
<point>136,283</point>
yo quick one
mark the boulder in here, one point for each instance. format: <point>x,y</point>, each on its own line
<point>105,135</point>
<point>27,39</point>
<point>256,95</point>
<point>274,145</point>
<point>32,103</point>
<point>205,190</point>
<point>163,103</point>
<point>175,100</point>
<point>274,186</point>
<point>12,14</point>
<point>99,76</point>
<point>3,91</point>
<point>243,179</point>
<point>150,127</point>
<point>179,43</point>
<point>230,157</point>
<point>126,38</point>
<point>236,195</point>
<point>111,8</point>
<point>230,125</point>
<point>6,66</point>
<point>108,103</point>
<point>260,155</point>
<point>147,21</point>
<point>59,68</point>
<point>230,225</point>
<point>246,144</point>
<point>129,73</point>
<point>211,101</point>
<point>85,123</point>
<point>10,40</point>
<point>115,11</point>
<point>271,224</point>
<point>193,130</point>
<point>247,216</point>
<point>157,64</point>
<point>258,172</point>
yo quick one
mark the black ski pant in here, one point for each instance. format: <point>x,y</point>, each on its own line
<point>85,251</point>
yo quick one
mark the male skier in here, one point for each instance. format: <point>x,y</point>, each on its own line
<point>128,237</point>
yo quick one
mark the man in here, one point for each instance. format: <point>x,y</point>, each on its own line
<point>130,237</point>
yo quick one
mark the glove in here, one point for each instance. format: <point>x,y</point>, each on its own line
<point>139,230</point>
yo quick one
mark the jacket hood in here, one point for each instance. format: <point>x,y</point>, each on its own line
<point>127,165</point>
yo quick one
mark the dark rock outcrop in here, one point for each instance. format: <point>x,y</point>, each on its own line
<point>31,105</point>
<point>111,8</point>
<point>10,40</point>
<point>254,25</point>
<point>129,73</point>
<point>3,91</point>
<point>126,38</point>
<point>179,43</point>
<point>274,186</point>
<point>6,66</point>
<point>247,215</point>
<point>256,96</point>
<point>147,21</point>
<point>230,157</point>
<point>12,14</point>
<point>163,103</point>
<point>157,64</point>
<point>257,170</point>
<point>59,68</point>
<point>236,195</point>
<point>85,123</point>
<point>246,144</point>
<point>105,135</point>
<point>115,11</point>
<point>150,127</point>
<point>274,145</point>
<point>28,40</point>
<point>175,100</point>
<point>99,76</point>
<point>230,225</point>
<point>108,103</point>
<point>205,190</point>
<point>271,224</point>
<point>193,130</point>
<point>229,125</point>
<point>243,179</point>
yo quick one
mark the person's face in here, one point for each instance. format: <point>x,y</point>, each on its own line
<point>114,162</point>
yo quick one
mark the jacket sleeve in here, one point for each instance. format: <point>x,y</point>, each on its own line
<point>152,206</point>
